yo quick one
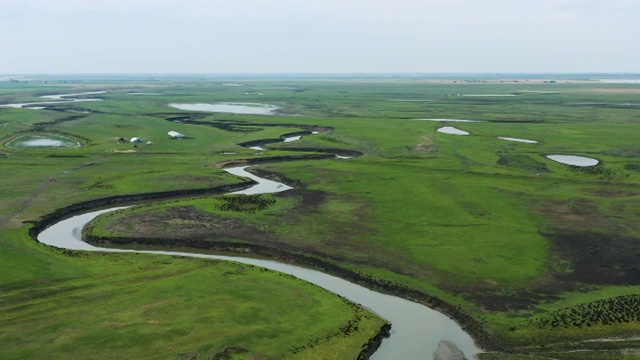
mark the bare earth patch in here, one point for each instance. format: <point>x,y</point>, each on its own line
<point>594,245</point>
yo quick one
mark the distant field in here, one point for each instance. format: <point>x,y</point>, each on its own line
<point>529,247</point>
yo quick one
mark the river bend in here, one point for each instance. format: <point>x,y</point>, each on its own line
<point>416,329</point>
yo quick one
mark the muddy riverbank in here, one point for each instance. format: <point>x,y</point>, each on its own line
<point>120,200</point>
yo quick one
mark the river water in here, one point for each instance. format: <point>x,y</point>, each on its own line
<point>416,329</point>
<point>56,99</point>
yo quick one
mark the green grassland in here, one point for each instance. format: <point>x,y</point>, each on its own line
<point>493,226</point>
<point>98,306</point>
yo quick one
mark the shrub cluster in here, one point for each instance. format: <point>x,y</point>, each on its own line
<point>246,203</point>
<point>616,310</point>
<point>599,172</point>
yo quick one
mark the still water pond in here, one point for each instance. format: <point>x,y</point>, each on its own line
<point>42,141</point>
<point>574,160</point>
<point>230,108</point>
<point>452,131</point>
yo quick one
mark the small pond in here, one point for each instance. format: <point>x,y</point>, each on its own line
<point>42,141</point>
<point>574,160</point>
<point>518,140</point>
<point>452,131</point>
<point>231,108</point>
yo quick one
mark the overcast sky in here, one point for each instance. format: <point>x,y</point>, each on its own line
<point>319,36</point>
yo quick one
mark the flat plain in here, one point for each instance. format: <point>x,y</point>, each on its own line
<point>545,256</point>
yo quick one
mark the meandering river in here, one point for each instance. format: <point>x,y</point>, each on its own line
<point>56,99</point>
<point>416,329</point>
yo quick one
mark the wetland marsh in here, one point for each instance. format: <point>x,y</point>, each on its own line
<point>495,234</point>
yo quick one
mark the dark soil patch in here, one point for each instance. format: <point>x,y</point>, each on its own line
<point>66,156</point>
<point>229,353</point>
<point>523,162</point>
<point>595,258</point>
<point>577,214</point>
<point>186,226</point>
<point>520,300</point>
<point>611,192</point>
<point>189,222</point>
<point>590,245</point>
<point>632,167</point>
<point>593,243</point>
<point>492,296</point>
<point>41,125</point>
<point>309,197</point>
<point>85,206</point>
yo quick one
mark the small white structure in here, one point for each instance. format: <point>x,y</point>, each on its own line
<point>136,140</point>
<point>175,135</point>
<point>149,143</point>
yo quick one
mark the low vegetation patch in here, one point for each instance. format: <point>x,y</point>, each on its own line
<point>245,203</point>
<point>616,310</point>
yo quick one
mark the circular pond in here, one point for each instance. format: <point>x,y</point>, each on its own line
<point>42,141</point>
<point>574,160</point>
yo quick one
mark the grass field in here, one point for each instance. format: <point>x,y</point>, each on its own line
<point>515,239</point>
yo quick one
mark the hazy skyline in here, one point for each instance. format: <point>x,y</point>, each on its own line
<point>330,36</point>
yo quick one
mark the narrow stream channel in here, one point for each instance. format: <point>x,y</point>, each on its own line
<point>416,330</point>
<point>55,100</point>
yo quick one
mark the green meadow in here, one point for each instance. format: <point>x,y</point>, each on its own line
<point>544,255</point>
